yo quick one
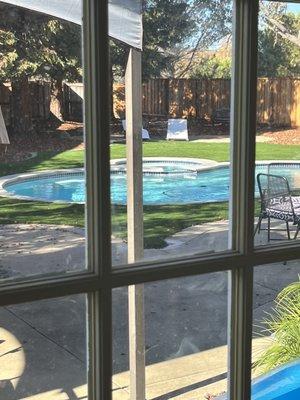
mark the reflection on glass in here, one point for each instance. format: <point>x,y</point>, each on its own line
<point>43,350</point>
<point>278,113</point>
<point>184,332</point>
<point>276,334</point>
<point>42,184</point>
<point>185,84</point>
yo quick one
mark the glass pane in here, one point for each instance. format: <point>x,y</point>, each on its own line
<point>278,121</point>
<point>276,332</point>
<point>182,208</point>
<point>181,331</point>
<point>44,350</point>
<point>42,183</point>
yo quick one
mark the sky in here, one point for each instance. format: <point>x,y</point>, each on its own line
<point>294,7</point>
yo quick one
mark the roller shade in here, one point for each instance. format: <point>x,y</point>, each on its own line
<point>125,16</point>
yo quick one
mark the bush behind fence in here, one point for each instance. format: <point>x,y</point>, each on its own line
<point>278,99</point>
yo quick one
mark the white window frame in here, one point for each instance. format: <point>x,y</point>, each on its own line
<point>99,279</point>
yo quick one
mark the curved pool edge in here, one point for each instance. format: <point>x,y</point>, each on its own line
<point>279,383</point>
<point>206,165</point>
<point>14,178</point>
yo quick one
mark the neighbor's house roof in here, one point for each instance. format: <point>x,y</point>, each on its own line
<point>125,16</point>
<point>4,139</point>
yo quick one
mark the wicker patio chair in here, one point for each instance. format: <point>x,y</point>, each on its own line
<point>277,203</point>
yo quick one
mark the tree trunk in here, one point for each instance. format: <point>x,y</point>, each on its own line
<point>21,107</point>
<point>56,102</point>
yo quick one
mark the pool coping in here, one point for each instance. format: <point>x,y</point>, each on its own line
<point>14,178</point>
<point>209,165</point>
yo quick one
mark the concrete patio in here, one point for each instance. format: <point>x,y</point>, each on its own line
<point>43,344</point>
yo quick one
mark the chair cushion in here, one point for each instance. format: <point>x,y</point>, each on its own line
<point>282,210</point>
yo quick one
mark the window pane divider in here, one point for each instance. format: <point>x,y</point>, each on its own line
<point>15,292</point>
<point>99,280</point>
<point>97,118</point>
<point>41,287</point>
<point>243,133</point>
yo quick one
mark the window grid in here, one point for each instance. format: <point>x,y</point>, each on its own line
<point>99,280</point>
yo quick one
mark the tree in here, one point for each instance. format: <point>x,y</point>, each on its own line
<point>277,54</point>
<point>212,68</point>
<point>20,59</point>
<point>279,39</point>
<point>36,46</point>
<point>213,23</point>
<point>61,59</point>
<point>167,25</point>
<point>274,16</point>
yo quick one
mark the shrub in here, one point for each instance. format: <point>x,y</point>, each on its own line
<point>284,326</point>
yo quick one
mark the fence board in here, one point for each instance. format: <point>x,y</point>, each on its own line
<point>278,99</point>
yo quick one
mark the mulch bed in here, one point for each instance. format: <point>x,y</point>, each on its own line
<point>64,137</point>
<point>287,137</point>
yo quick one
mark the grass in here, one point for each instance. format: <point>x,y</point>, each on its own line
<point>25,212</point>
<point>213,151</point>
<point>159,221</point>
<point>165,220</point>
<point>46,160</point>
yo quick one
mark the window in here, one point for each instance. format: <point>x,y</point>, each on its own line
<point>183,284</point>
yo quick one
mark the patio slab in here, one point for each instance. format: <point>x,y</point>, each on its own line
<point>43,344</point>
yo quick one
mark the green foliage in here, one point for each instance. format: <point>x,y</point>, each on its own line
<point>284,326</point>
<point>212,67</point>
<point>36,46</point>
<point>171,30</point>
<point>166,26</point>
<point>61,50</point>
<point>277,56</point>
<point>20,48</point>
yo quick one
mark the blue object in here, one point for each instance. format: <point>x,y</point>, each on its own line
<point>168,184</point>
<point>282,383</point>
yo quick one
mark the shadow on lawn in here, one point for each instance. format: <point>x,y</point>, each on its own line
<point>163,221</point>
<point>45,160</point>
<point>20,211</point>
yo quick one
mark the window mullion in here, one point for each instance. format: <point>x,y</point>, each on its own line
<point>97,116</point>
<point>242,205</point>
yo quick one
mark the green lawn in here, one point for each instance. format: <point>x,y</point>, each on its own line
<point>159,221</point>
<point>213,151</point>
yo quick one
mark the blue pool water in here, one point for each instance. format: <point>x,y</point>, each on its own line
<point>160,187</point>
<point>281,384</point>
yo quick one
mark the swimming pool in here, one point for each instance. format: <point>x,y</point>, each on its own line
<point>165,182</point>
<point>282,383</point>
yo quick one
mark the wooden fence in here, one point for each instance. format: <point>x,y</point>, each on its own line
<point>39,98</point>
<point>278,100</point>
<point>73,96</point>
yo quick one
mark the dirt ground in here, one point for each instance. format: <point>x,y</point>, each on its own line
<point>69,135</point>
